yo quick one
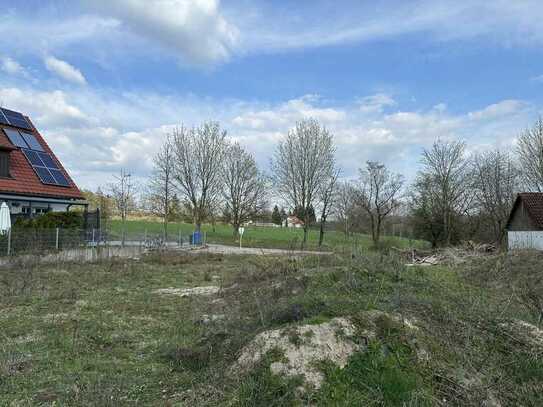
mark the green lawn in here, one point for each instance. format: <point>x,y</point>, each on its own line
<point>269,237</point>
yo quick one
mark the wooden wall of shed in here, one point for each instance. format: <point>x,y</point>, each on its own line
<point>520,220</point>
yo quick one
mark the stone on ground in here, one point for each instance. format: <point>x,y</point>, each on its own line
<point>186,292</point>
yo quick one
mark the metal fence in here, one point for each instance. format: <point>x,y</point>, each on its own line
<point>19,241</point>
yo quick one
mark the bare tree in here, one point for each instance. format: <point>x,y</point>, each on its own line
<point>530,153</point>
<point>426,215</point>
<point>446,174</point>
<point>302,165</point>
<point>122,192</point>
<point>104,204</point>
<point>495,184</point>
<point>199,153</point>
<point>378,195</point>
<point>161,187</point>
<point>244,189</point>
<point>344,204</point>
<point>327,201</point>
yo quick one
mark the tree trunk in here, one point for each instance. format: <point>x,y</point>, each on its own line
<point>123,231</point>
<point>374,232</point>
<point>321,232</point>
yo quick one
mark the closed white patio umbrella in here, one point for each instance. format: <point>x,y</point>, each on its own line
<point>5,219</point>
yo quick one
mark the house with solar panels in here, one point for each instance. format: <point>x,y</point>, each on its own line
<point>32,179</point>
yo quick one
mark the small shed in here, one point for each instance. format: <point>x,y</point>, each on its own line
<point>525,223</point>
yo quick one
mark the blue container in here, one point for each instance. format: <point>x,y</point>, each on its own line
<point>196,238</point>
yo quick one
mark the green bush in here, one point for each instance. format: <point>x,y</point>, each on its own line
<point>52,220</point>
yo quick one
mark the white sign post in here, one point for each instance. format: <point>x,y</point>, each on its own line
<point>241,230</point>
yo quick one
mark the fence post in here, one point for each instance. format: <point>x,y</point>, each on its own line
<point>9,241</point>
<point>93,235</point>
<point>179,237</point>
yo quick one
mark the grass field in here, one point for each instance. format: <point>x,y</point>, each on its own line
<point>100,335</point>
<point>269,237</point>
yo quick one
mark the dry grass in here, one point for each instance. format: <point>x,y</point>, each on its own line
<point>98,334</point>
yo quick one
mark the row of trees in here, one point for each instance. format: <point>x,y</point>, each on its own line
<point>207,173</point>
<point>455,196</point>
<point>212,175</point>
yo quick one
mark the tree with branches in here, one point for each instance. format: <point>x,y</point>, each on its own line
<point>495,178</point>
<point>378,194</point>
<point>161,197</point>
<point>426,216</point>
<point>446,176</point>
<point>327,202</point>
<point>244,186</point>
<point>302,165</point>
<point>530,154</point>
<point>344,201</point>
<point>199,154</point>
<point>122,191</point>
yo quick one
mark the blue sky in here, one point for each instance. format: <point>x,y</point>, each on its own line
<point>104,81</point>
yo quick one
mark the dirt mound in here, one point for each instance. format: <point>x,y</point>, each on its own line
<point>304,345</point>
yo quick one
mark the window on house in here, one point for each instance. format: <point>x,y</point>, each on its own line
<point>25,210</point>
<point>4,164</point>
<point>40,211</point>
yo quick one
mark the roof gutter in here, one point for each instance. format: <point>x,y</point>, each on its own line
<point>44,200</point>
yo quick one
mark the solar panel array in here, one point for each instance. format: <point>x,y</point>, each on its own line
<point>43,164</point>
<point>14,119</point>
<point>16,138</point>
<point>45,167</point>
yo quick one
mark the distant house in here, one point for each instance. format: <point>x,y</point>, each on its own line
<point>294,222</point>
<point>525,223</point>
<point>32,179</point>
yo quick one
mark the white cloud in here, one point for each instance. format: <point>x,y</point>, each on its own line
<point>195,29</point>
<point>95,133</point>
<point>288,113</point>
<point>376,103</point>
<point>288,27</point>
<point>205,32</point>
<point>538,78</point>
<point>64,70</point>
<point>12,67</point>
<point>503,108</point>
<point>52,32</point>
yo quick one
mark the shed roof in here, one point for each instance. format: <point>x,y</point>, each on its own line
<point>533,202</point>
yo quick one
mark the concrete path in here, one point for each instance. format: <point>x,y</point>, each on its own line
<point>224,249</point>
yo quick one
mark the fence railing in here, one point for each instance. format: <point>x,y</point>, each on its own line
<point>36,241</point>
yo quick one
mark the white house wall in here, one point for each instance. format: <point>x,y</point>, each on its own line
<point>525,240</point>
<point>16,206</point>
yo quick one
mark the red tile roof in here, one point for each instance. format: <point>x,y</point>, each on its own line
<point>24,180</point>
<point>533,202</point>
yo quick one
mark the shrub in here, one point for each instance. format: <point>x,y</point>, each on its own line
<point>52,220</point>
